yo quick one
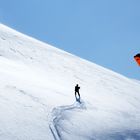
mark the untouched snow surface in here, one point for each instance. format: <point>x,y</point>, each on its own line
<point>37,95</point>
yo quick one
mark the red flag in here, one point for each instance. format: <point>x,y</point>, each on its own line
<point>137,58</point>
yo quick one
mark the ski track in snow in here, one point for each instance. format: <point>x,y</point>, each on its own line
<point>56,115</point>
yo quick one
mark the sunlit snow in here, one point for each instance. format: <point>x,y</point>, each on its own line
<point>37,95</point>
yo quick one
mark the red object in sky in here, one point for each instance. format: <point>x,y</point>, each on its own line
<point>137,58</point>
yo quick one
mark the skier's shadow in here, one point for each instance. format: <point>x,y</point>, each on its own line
<point>78,99</point>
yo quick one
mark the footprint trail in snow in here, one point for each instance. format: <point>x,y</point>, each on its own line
<point>57,115</point>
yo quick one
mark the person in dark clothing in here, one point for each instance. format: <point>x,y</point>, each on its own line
<point>77,91</point>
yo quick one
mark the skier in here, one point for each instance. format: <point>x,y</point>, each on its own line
<point>77,91</point>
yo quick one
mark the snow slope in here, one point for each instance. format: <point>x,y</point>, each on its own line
<point>37,98</point>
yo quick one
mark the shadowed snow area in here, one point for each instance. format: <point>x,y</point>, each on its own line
<point>37,95</point>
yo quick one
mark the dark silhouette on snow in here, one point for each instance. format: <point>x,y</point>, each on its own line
<point>77,92</point>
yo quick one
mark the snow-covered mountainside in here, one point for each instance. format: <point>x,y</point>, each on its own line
<point>37,95</point>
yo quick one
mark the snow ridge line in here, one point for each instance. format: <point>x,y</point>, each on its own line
<point>56,116</point>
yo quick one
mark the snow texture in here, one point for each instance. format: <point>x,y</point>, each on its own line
<point>37,95</point>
